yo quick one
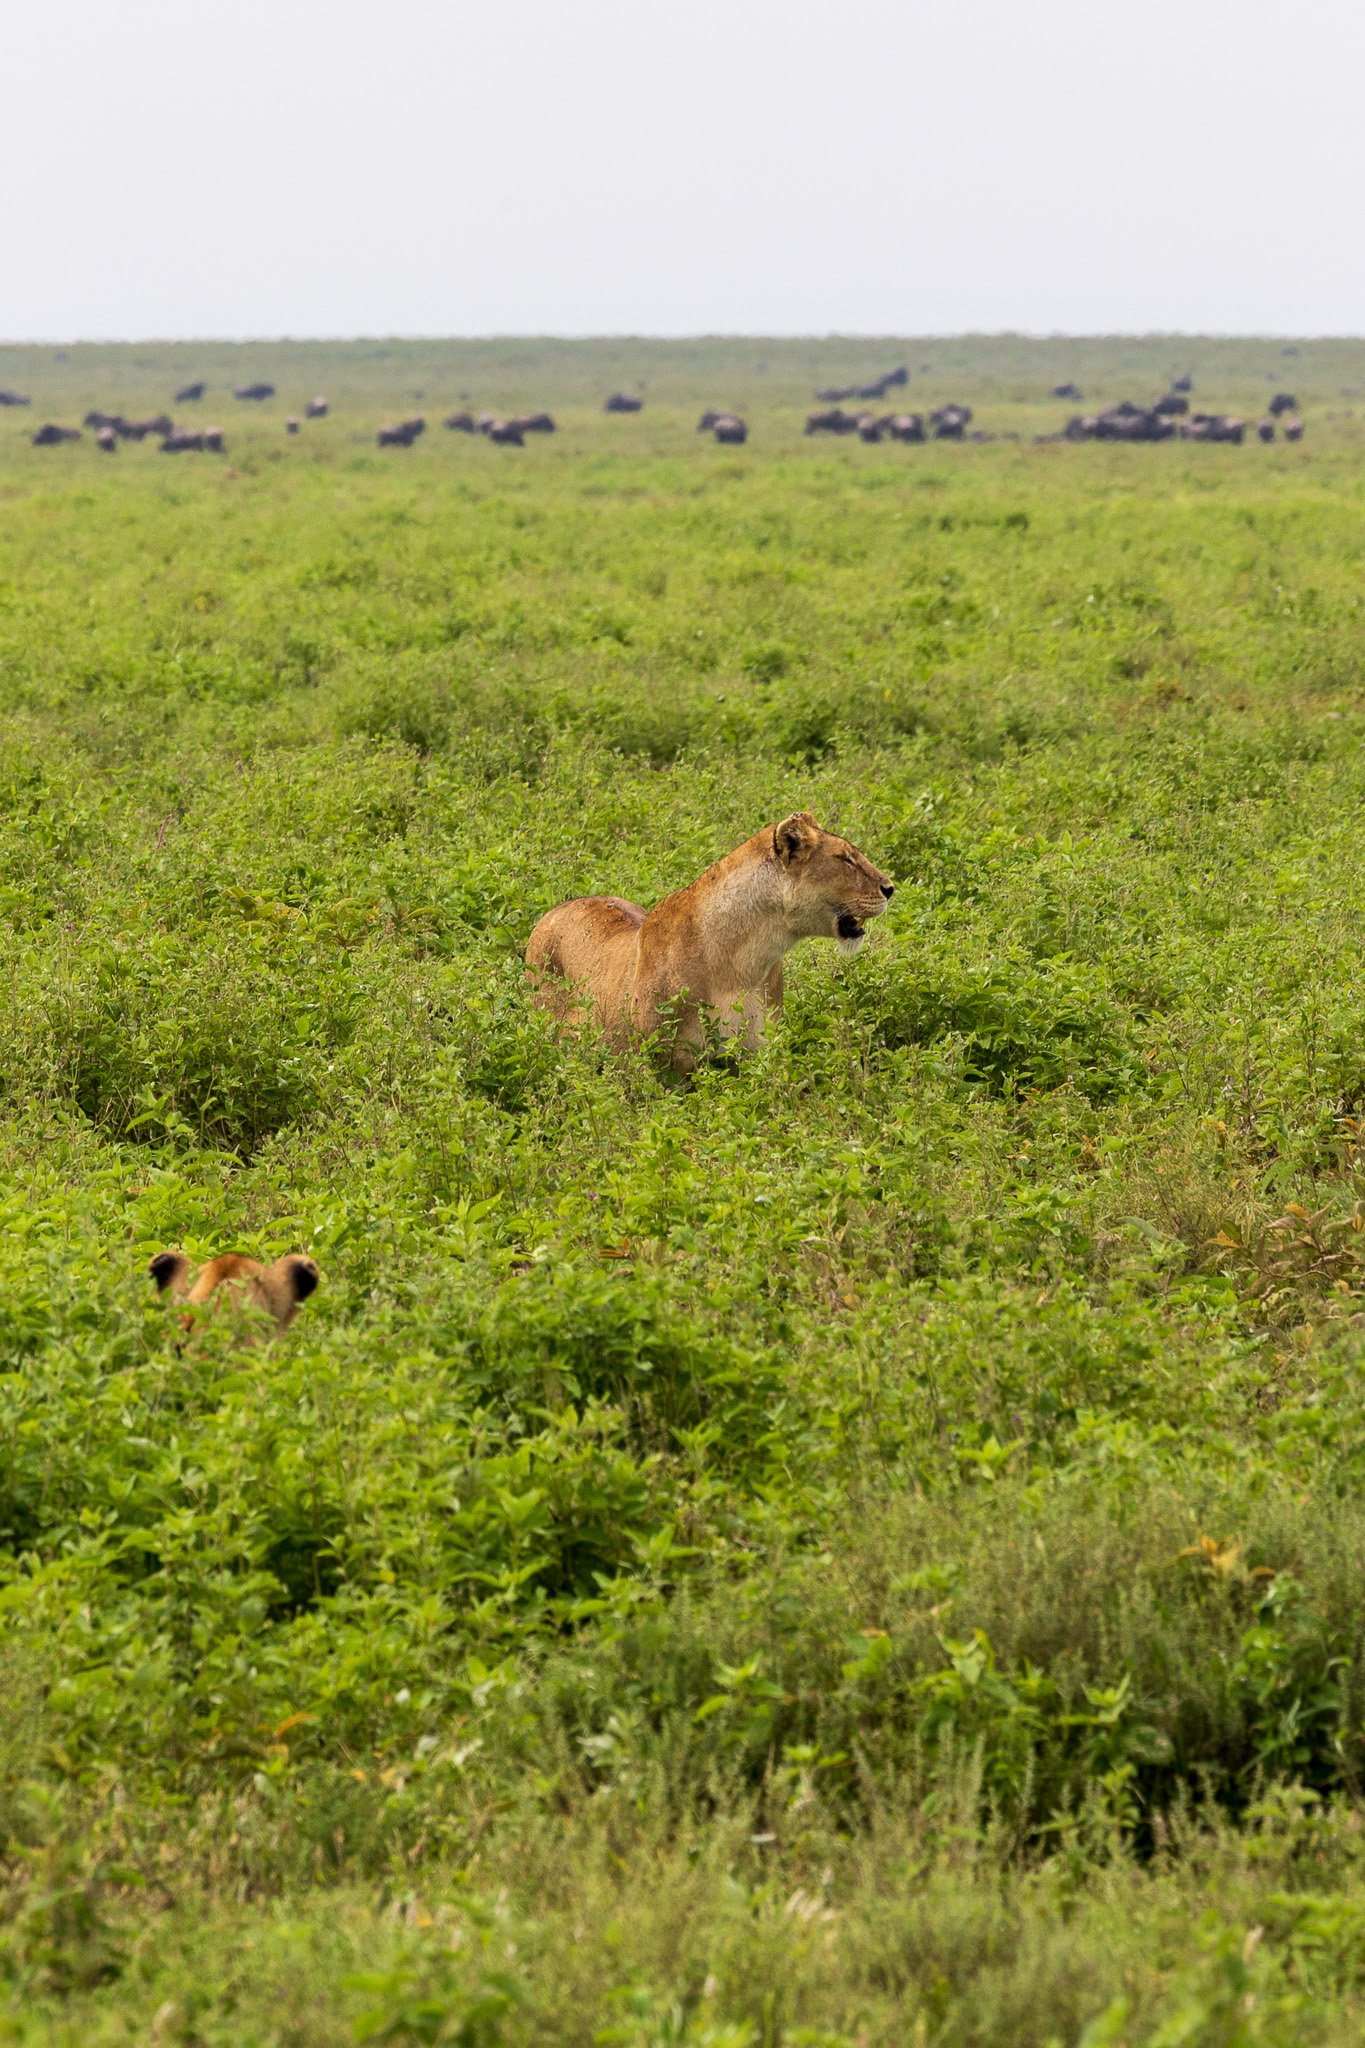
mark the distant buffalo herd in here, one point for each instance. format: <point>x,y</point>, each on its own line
<point>1162,420</point>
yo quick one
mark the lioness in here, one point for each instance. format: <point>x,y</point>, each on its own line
<point>713,949</point>
<point>278,1289</point>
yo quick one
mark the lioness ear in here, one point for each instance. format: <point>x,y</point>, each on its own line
<point>795,837</point>
<point>169,1269</point>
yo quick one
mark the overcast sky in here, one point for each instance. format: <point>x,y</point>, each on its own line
<point>334,167</point>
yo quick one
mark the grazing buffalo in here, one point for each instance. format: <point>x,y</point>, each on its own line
<point>904,426</point>
<point>1266,428</point>
<point>534,423</point>
<point>100,419</point>
<point>1068,391</point>
<point>1283,401</point>
<point>138,430</point>
<point>291,425</point>
<point>1173,406</point>
<point>459,422</point>
<point>485,422</point>
<point>621,401</point>
<point>13,398</point>
<point>190,394</point>
<point>731,429</point>
<point>107,439</point>
<point>833,421</point>
<point>1185,383</point>
<point>1293,427</point>
<point>509,433</point>
<point>254,391</point>
<point>316,408</point>
<point>708,420</point>
<point>182,441</point>
<point>50,436</point>
<point>950,422</point>
<point>403,435</point>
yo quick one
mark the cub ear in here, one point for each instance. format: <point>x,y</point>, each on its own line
<point>795,837</point>
<point>303,1277</point>
<point>169,1269</point>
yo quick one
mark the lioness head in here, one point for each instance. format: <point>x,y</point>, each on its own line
<point>831,889</point>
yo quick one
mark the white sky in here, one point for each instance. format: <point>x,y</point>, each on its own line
<point>331,167</point>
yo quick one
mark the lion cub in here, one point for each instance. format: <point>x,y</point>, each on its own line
<point>711,952</point>
<point>278,1290</point>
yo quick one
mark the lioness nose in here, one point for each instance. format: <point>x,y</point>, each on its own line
<point>888,890</point>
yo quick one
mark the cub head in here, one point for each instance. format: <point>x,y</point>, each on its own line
<point>832,890</point>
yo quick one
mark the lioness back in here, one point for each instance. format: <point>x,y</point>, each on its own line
<point>587,945</point>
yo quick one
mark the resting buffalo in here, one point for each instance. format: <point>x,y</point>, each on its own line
<point>835,394</point>
<point>904,426</point>
<point>950,422</point>
<point>1172,406</point>
<point>1068,391</point>
<point>49,436</point>
<point>621,401</point>
<point>13,398</point>
<point>1266,428</point>
<point>1212,426</point>
<point>835,421</point>
<point>254,391</point>
<point>403,435</point>
<point>316,408</point>
<point>187,440</point>
<point>1283,401</point>
<point>108,440</point>
<point>190,394</point>
<point>731,429</point>
<point>1293,427</point>
<point>534,423</point>
<point>508,432</point>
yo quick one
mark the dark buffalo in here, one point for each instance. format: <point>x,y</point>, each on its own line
<point>190,394</point>
<point>869,427</point>
<point>731,430</point>
<point>50,436</point>
<point>485,422</point>
<point>316,408</point>
<point>1266,428</point>
<point>950,422</point>
<point>1292,426</point>
<point>213,440</point>
<point>708,420</point>
<point>291,425</point>
<point>13,398</point>
<point>834,421</point>
<point>403,435</point>
<point>138,430</point>
<point>100,419</point>
<point>254,391</point>
<point>182,441</point>
<point>1173,406</point>
<point>621,401</point>
<point>835,394</point>
<point>459,422</point>
<point>509,433</point>
<point>1068,391</point>
<point>534,423</point>
<point>107,440</point>
<point>1185,383</point>
<point>1283,401</point>
<point>904,426</point>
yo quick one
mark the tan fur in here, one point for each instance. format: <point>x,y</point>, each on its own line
<point>278,1289</point>
<point>710,952</point>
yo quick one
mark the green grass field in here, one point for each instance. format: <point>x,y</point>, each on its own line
<point>863,1552</point>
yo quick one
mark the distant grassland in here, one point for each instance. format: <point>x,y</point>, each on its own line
<point>866,1550</point>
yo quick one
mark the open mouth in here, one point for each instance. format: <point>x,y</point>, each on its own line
<point>848,926</point>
